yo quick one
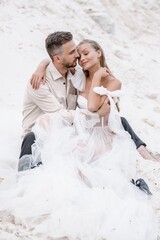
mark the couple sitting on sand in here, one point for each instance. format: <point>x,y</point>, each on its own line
<point>89,153</point>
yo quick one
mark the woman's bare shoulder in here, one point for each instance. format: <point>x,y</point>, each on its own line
<point>113,83</point>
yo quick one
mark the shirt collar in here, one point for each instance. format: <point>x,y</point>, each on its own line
<point>57,75</point>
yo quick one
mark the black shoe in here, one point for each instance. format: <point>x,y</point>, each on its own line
<point>36,165</point>
<point>142,185</point>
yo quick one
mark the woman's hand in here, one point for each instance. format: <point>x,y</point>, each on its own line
<point>72,70</point>
<point>102,72</point>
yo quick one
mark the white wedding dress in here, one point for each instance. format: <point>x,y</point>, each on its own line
<point>83,190</point>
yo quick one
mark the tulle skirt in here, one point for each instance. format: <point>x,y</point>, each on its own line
<point>83,190</point>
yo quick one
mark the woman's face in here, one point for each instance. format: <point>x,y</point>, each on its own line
<point>88,56</point>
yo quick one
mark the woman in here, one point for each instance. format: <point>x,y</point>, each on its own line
<point>83,190</point>
<point>92,60</point>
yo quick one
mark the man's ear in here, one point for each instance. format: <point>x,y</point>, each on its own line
<point>56,58</point>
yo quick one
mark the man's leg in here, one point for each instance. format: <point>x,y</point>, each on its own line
<point>138,142</point>
<point>25,159</point>
<point>141,146</point>
<point>27,143</point>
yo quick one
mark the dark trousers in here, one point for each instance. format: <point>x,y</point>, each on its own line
<point>27,143</point>
<point>138,142</point>
<point>30,138</point>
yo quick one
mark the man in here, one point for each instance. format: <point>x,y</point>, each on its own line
<point>58,93</point>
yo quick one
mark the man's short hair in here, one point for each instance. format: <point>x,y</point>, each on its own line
<point>54,42</point>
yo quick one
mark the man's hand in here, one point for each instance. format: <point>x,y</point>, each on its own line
<point>37,78</point>
<point>104,110</point>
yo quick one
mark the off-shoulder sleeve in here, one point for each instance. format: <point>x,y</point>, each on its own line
<point>78,79</point>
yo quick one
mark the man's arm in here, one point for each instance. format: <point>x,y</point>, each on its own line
<point>38,76</point>
<point>48,102</point>
<point>104,110</point>
<point>44,99</point>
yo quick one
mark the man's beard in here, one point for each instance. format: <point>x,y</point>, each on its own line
<point>70,65</point>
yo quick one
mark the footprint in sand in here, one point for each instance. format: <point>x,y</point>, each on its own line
<point>156,109</point>
<point>149,122</point>
<point>152,95</point>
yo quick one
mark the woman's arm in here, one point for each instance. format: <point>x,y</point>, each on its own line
<point>39,75</point>
<point>113,84</point>
<point>94,99</point>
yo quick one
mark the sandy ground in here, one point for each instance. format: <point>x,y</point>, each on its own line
<point>128,31</point>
